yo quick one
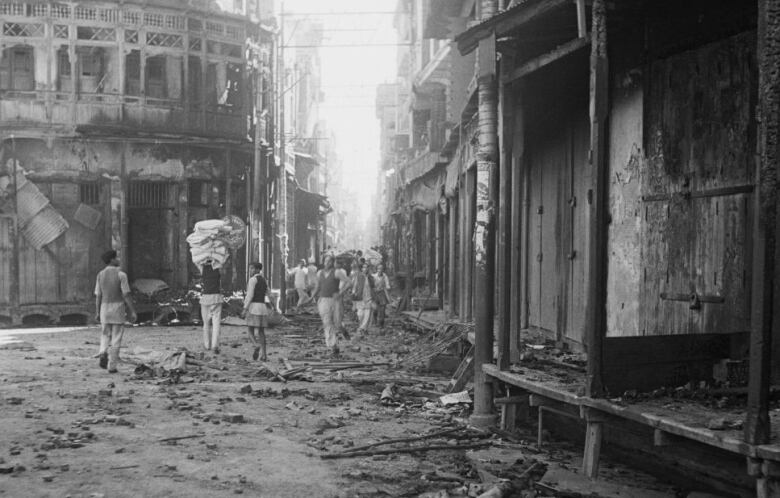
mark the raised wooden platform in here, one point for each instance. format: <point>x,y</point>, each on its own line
<point>669,418</point>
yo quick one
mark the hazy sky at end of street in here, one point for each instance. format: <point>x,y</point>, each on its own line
<point>350,76</point>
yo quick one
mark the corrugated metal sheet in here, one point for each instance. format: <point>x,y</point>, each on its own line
<point>40,223</point>
<point>44,228</point>
<point>29,200</point>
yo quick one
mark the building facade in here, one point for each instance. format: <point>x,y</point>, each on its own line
<point>121,125</point>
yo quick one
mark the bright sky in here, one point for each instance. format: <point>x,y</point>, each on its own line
<point>350,76</point>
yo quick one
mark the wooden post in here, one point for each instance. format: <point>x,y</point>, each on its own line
<point>463,211</point>
<point>590,459</point>
<point>452,278</point>
<point>484,225</point>
<point>504,230</point>
<point>595,307</point>
<point>757,423</point>
<point>124,257</point>
<point>15,287</point>
<point>517,277</point>
<point>468,259</point>
<point>440,267</point>
<point>181,276</point>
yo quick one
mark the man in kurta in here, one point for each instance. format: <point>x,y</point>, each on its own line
<point>112,305</point>
<point>331,284</point>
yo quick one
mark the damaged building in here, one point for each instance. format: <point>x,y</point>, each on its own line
<point>121,125</point>
<point>602,177</point>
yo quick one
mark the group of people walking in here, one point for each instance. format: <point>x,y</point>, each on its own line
<point>333,287</point>
<point>330,287</point>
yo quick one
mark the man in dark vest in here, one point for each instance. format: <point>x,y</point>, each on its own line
<point>332,283</point>
<point>211,307</point>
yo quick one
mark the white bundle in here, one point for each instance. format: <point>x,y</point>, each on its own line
<point>205,245</point>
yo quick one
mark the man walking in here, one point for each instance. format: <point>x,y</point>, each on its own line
<point>329,303</point>
<point>112,301</point>
<point>211,307</point>
<point>299,276</point>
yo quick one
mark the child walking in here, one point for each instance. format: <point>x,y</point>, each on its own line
<point>256,311</point>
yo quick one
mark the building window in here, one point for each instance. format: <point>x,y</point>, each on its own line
<point>17,69</point>
<point>133,73</point>
<point>89,193</point>
<point>155,77</point>
<point>90,64</point>
<point>63,63</point>
<point>198,193</point>
<point>150,195</point>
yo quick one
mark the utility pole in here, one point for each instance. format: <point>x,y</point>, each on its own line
<point>281,190</point>
<point>484,232</point>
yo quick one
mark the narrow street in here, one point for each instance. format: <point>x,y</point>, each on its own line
<point>223,427</point>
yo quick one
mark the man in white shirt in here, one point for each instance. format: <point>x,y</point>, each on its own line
<point>299,275</point>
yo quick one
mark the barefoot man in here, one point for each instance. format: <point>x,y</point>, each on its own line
<point>112,300</point>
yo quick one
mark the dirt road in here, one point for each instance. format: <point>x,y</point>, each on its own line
<point>220,429</point>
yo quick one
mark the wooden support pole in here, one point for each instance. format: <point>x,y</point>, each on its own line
<point>124,256</point>
<point>595,307</point>
<point>516,253</point>
<point>439,267</point>
<point>757,424</point>
<point>504,225</point>
<point>468,259</point>
<point>590,460</point>
<point>452,259</point>
<point>463,211</point>
<point>15,287</point>
<point>484,225</point>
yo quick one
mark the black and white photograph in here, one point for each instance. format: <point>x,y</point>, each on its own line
<point>389,248</point>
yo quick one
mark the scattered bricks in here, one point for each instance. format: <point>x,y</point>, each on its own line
<point>14,400</point>
<point>233,418</point>
<point>124,421</point>
<point>48,478</point>
<point>211,446</point>
<point>105,392</point>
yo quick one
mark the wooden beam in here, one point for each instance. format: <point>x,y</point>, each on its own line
<point>596,282</point>
<point>545,59</point>
<point>503,24</point>
<point>757,424</point>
